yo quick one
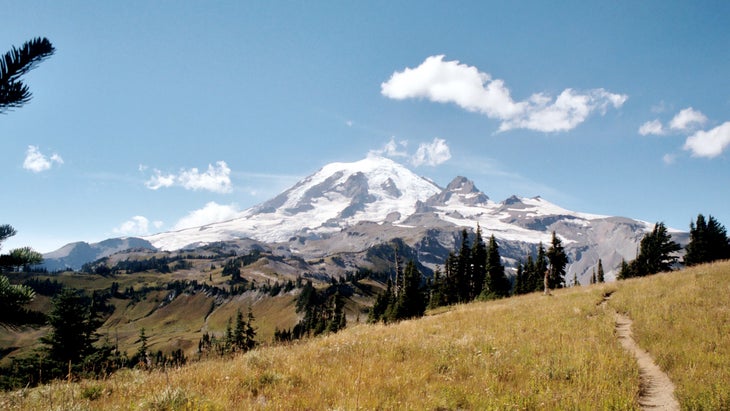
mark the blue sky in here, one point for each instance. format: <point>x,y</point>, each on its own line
<point>156,115</point>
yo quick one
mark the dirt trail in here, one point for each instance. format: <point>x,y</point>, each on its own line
<point>656,390</point>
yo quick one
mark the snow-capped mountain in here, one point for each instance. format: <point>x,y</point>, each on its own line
<point>337,196</point>
<point>348,208</point>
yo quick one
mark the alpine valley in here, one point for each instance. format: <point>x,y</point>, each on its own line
<point>346,216</point>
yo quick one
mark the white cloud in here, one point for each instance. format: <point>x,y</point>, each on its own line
<point>216,179</point>
<point>432,154</point>
<point>211,213</point>
<point>669,159</point>
<point>709,143</point>
<point>135,226</point>
<point>654,127</point>
<point>391,149</point>
<point>451,82</point>
<point>36,161</point>
<point>687,119</point>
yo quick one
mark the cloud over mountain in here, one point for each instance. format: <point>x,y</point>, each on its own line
<point>452,82</point>
<point>216,179</point>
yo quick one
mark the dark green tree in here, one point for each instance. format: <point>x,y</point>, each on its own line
<point>463,269</point>
<point>382,302</point>
<point>541,265</point>
<point>600,275</point>
<point>708,242</point>
<point>14,64</point>
<point>411,302</point>
<point>478,270</point>
<point>558,261</point>
<point>140,357</point>
<point>73,328</point>
<point>656,251</point>
<point>496,284</point>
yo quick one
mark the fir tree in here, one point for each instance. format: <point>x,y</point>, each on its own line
<point>73,328</point>
<point>657,252</point>
<point>478,270</point>
<point>708,242</point>
<point>496,283</point>
<point>558,261</point>
<point>600,276</point>
<point>14,64</point>
<point>463,269</point>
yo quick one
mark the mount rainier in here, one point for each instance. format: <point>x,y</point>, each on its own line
<point>346,208</point>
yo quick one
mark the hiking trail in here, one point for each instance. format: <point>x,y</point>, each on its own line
<point>656,391</point>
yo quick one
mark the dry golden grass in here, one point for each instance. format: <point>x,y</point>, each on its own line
<point>529,352</point>
<point>683,320</point>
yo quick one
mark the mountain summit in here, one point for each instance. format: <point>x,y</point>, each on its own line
<point>339,195</point>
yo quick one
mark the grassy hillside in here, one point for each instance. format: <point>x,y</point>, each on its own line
<point>529,352</point>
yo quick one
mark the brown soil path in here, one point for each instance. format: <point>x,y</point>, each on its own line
<point>657,390</point>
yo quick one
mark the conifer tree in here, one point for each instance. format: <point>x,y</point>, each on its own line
<point>600,276</point>
<point>411,302</point>
<point>73,328</point>
<point>249,331</point>
<point>478,269</point>
<point>708,242</point>
<point>496,283</point>
<point>519,280</point>
<point>656,252</point>
<point>558,261</point>
<point>541,265</point>
<point>141,355</point>
<point>14,64</point>
<point>463,268</point>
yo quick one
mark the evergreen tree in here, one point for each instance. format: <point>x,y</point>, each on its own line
<point>531,277</point>
<point>141,355</point>
<point>239,332</point>
<point>13,297</point>
<point>496,283</point>
<point>14,64</point>
<point>451,293</point>
<point>463,269</point>
<point>437,290</point>
<point>478,270</point>
<point>411,302</point>
<point>541,265</point>
<point>558,261</point>
<point>382,301</point>
<point>625,271</point>
<point>73,328</point>
<point>519,280</point>
<point>600,276</point>
<point>249,342</point>
<point>656,252</point>
<point>708,242</point>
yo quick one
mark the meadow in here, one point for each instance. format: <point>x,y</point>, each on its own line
<point>528,352</point>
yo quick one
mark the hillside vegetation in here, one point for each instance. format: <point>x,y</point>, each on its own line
<point>528,352</point>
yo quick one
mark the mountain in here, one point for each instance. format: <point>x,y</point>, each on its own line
<point>349,209</point>
<point>75,255</point>
<point>337,196</point>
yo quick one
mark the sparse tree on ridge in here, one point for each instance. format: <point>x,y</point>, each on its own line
<point>14,64</point>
